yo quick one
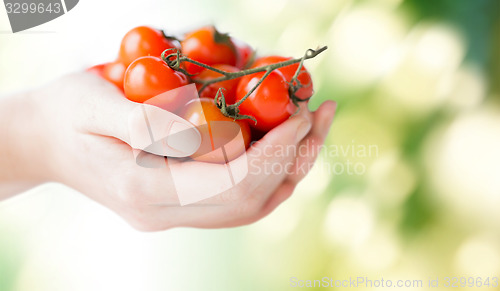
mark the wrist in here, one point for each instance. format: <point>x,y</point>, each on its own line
<point>22,145</point>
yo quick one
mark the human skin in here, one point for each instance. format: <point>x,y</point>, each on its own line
<point>75,131</point>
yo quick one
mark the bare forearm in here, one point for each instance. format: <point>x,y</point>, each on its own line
<point>21,145</point>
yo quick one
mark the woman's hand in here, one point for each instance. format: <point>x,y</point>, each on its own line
<point>76,131</point>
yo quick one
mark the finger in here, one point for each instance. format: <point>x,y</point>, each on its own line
<point>207,183</point>
<point>227,217</point>
<point>309,148</point>
<point>281,195</point>
<point>267,160</point>
<point>322,121</point>
<point>216,211</point>
<point>156,218</point>
<point>142,126</point>
<point>284,192</point>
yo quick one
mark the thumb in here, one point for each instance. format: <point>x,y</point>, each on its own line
<point>144,126</point>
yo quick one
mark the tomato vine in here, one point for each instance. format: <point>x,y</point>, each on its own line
<point>173,58</point>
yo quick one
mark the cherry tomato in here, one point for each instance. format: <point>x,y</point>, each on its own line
<point>222,138</point>
<point>115,72</point>
<point>211,90</point>
<point>111,72</point>
<point>97,69</point>
<point>289,71</point>
<point>270,103</point>
<point>147,77</point>
<point>143,41</point>
<point>245,54</point>
<point>208,46</point>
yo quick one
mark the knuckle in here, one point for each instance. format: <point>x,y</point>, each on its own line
<point>233,195</point>
<point>142,227</point>
<point>130,193</point>
<point>144,221</point>
<point>249,207</point>
<point>134,204</point>
<point>130,198</point>
<point>146,227</point>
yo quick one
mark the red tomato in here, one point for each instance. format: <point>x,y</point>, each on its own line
<point>115,72</point>
<point>245,54</point>
<point>211,90</point>
<point>208,46</point>
<point>147,77</point>
<point>270,103</point>
<point>222,138</point>
<point>97,69</point>
<point>143,41</point>
<point>289,71</point>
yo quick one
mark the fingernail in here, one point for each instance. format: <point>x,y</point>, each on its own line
<point>302,130</point>
<point>183,138</point>
<point>162,133</point>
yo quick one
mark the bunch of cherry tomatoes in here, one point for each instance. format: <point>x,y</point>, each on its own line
<point>141,73</point>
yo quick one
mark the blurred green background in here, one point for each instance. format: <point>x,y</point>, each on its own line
<point>407,189</point>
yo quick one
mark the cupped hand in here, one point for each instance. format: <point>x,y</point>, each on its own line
<point>84,126</point>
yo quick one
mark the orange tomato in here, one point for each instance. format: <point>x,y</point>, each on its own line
<point>222,138</point>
